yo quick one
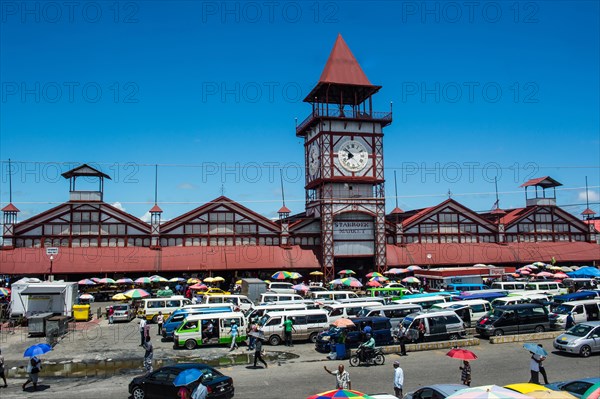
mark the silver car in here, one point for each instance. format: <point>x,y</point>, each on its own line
<point>582,339</point>
<point>123,312</point>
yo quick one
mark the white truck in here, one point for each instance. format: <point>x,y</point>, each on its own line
<point>31,296</point>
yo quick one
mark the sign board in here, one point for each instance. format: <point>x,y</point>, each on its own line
<point>51,251</point>
<point>349,230</point>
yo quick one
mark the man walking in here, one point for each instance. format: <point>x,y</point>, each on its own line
<point>398,379</point>
<point>160,319</point>
<point>540,359</point>
<point>534,368</point>
<point>342,377</point>
<point>148,355</point>
<point>143,323</point>
<point>258,350</point>
<point>288,326</point>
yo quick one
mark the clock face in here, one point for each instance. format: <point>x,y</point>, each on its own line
<point>353,156</point>
<point>313,160</point>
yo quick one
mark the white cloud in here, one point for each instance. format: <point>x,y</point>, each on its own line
<point>119,206</point>
<point>592,195</point>
<point>186,186</point>
<point>146,217</point>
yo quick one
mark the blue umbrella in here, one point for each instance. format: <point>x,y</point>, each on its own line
<point>36,350</point>
<point>538,350</point>
<point>186,377</point>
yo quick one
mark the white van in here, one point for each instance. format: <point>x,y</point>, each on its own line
<point>281,288</point>
<point>582,311</point>
<point>338,310</point>
<point>479,307</point>
<point>509,286</point>
<point>425,302</point>
<point>381,299</point>
<point>240,301</point>
<point>260,310</point>
<point>517,299</point>
<point>396,313</point>
<point>439,326</point>
<point>150,307</point>
<point>192,332</point>
<point>332,295</point>
<point>271,297</point>
<point>549,287</point>
<point>307,325</point>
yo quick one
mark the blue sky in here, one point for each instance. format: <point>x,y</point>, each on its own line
<point>210,92</point>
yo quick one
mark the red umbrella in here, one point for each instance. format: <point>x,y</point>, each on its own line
<point>374,283</point>
<point>461,354</point>
<point>198,286</point>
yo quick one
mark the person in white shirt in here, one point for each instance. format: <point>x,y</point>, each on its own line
<point>142,332</point>
<point>398,379</point>
<point>534,367</point>
<point>200,392</point>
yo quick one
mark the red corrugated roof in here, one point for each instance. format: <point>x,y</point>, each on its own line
<point>594,222</point>
<point>544,182</point>
<point>342,67</point>
<point>489,253</point>
<point>169,259</point>
<point>10,208</point>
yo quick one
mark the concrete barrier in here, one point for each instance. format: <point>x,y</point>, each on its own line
<point>427,346</point>
<point>503,339</point>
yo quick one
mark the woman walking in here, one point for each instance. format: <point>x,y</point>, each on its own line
<point>33,368</point>
<point>234,333</point>
<point>465,375</point>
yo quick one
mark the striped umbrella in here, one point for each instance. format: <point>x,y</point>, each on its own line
<point>346,272</point>
<point>539,264</point>
<point>379,279</point>
<point>412,268</point>
<point>86,297</point>
<point>396,270</point>
<point>86,281</point>
<point>119,297</point>
<point>374,274</point>
<point>143,280</point>
<point>95,279</point>
<point>545,274</point>
<point>136,293</point>
<point>4,291</point>
<point>106,280</point>
<point>411,280</point>
<point>337,281</point>
<point>158,279</point>
<point>373,283</point>
<point>300,287</point>
<point>124,281</point>
<point>281,275</point>
<point>487,392</point>
<point>176,280</point>
<point>296,275</point>
<point>340,393</point>
<point>351,282</point>
<point>560,275</point>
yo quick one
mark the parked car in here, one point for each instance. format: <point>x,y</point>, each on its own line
<point>123,312</point>
<point>574,387</point>
<point>159,384</point>
<point>436,391</point>
<point>582,338</point>
<point>381,331</point>
<point>514,319</point>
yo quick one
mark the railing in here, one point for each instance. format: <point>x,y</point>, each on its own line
<point>350,114</point>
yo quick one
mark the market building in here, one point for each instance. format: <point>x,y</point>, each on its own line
<point>344,224</point>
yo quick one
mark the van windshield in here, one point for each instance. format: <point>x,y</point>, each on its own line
<point>496,314</point>
<point>564,309</point>
<point>407,322</point>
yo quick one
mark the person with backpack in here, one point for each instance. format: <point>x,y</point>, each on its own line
<point>34,366</point>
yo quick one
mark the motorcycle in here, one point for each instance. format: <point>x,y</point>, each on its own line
<point>375,357</point>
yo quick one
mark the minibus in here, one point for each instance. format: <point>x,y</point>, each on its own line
<point>424,301</point>
<point>509,285</point>
<point>270,297</point>
<point>307,325</point>
<point>549,287</point>
<point>585,310</point>
<point>396,313</point>
<point>150,307</point>
<point>439,325</point>
<point>514,319</point>
<point>192,331</point>
<point>260,310</point>
<point>177,317</point>
<point>241,301</point>
<point>387,292</point>
<point>479,307</point>
<point>338,310</point>
<point>332,295</point>
<point>466,287</point>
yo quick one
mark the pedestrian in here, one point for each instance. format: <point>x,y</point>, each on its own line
<point>252,331</point>
<point>184,392</point>
<point>465,375</point>
<point>160,320</point>
<point>146,331</point>
<point>258,350</point>
<point>570,321</point>
<point>234,333</point>
<point>2,373</point>
<point>111,313</point>
<point>398,379</point>
<point>421,328</point>
<point>200,392</point>
<point>34,366</point>
<point>534,368</point>
<point>402,339</point>
<point>142,329</point>
<point>148,355</point>
<point>342,377</point>
<point>541,359</point>
<point>288,327</point>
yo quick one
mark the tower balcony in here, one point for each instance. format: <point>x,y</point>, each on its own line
<point>385,118</point>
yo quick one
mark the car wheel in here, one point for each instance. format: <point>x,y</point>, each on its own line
<point>138,393</point>
<point>585,351</point>
<point>274,340</point>
<point>453,337</point>
<point>540,329</point>
<point>498,333</point>
<point>190,344</point>
<point>313,337</point>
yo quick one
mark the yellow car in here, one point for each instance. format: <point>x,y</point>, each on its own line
<point>527,387</point>
<point>214,291</point>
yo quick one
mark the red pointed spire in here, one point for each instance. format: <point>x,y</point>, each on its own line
<point>397,211</point>
<point>155,209</point>
<point>588,211</point>
<point>10,208</point>
<point>283,209</point>
<point>342,67</point>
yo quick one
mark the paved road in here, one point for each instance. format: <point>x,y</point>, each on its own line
<point>298,378</point>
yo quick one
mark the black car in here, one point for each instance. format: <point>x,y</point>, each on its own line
<point>159,384</point>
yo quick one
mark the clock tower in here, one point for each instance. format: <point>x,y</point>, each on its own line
<point>343,144</point>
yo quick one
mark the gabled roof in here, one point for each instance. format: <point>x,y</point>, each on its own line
<point>544,182</point>
<point>84,170</point>
<point>218,202</point>
<point>10,208</point>
<point>514,216</point>
<point>342,79</point>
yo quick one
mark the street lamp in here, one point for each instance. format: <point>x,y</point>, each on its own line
<point>429,261</point>
<point>51,277</point>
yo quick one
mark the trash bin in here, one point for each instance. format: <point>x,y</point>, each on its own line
<point>82,312</point>
<point>340,351</point>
